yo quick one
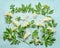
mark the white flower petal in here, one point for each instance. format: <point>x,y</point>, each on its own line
<point>15,23</point>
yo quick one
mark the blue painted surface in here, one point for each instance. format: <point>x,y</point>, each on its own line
<point>4,7</point>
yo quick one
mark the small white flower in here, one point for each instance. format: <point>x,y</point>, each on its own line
<point>14,28</point>
<point>34,15</point>
<point>15,23</point>
<point>39,24</point>
<point>36,41</point>
<point>51,29</point>
<point>9,14</point>
<point>27,35</point>
<point>25,24</point>
<point>47,19</point>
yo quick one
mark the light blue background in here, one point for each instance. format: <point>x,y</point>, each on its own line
<point>4,7</point>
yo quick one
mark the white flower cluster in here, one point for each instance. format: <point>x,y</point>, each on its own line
<point>25,24</point>
<point>51,29</point>
<point>47,19</point>
<point>39,24</point>
<point>27,34</point>
<point>14,28</point>
<point>9,14</point>
<point>15,23</point>
<point>36,40</point>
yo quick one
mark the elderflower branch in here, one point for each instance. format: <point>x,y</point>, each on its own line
<point>18,33</point>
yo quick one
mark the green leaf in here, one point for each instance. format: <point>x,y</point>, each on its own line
<point>45,9</point>
<point>38,7</point>
<point>31,42</point>
<point>51,11</point>
<point>37,11</point>
<point>21,29</point>
<point>19,9</point>
<point>46,43</point>
<point>32,10</point>
<point>32,21</point>
<point>8,19</point>
<point>49,24</point>
<point>33,25</point>
<point>21,32</point>
<point>18,18</point>
<point>54,23</point>
<point>43,29</point>
<point>12,6</point>
<point>8,34</point>
<point>29,8</point>
<point>14,41</point>
<point>35,34</point>
<point>24,9</point>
